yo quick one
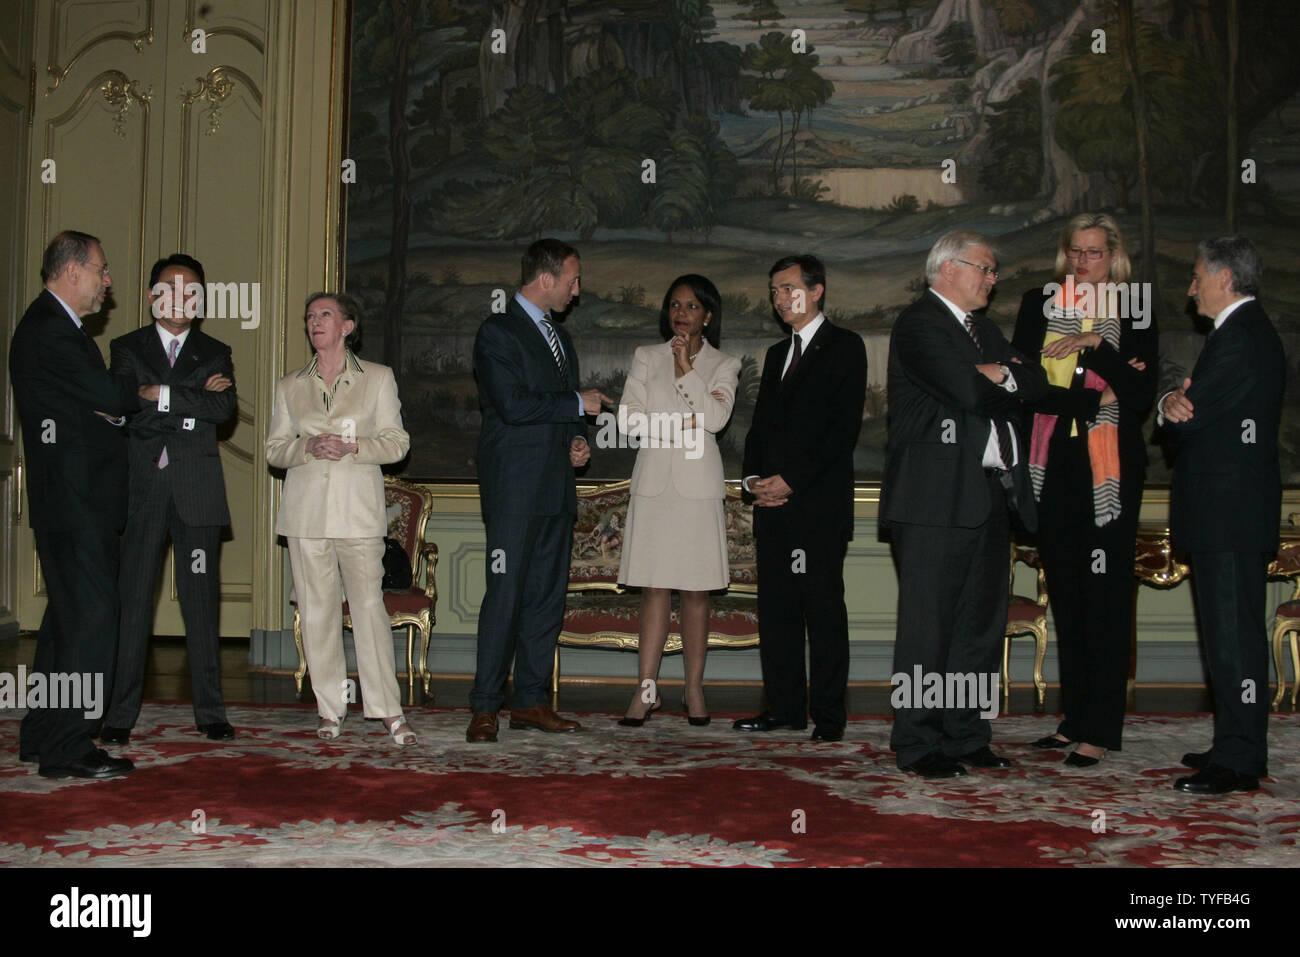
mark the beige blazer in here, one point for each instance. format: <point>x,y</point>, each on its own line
<point>343,499</point>
<point>652,386</point>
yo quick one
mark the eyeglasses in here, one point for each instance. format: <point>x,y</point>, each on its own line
<point>988,271</point>
<point>1092,255</point>
<point>91,264</point>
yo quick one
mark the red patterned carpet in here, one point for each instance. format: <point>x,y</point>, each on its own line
<point>665,794</point>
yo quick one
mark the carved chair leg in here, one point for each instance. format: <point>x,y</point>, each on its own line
<point>1006,672</point>
<point>1280,628</point>
<point>410,665</point>
<point>301,672</point>
<point>1040,653</point>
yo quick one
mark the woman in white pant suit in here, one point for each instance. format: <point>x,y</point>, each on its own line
<point>334,424</point>
<point>678,395</point>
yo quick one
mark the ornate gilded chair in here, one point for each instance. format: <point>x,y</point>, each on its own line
<point>410,608</point>
<point>600,613</point>
<point>1026,616</point>
<point>1286,622</point>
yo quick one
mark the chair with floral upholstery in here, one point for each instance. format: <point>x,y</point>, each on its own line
<point>600,613</point>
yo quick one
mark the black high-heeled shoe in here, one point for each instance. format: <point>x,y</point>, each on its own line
<point>693,721</point>
<point>627,722</point>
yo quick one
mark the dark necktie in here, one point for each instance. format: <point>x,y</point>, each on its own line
<point>557,353</point>
<point>1000,429</point>
<point>797,351</point>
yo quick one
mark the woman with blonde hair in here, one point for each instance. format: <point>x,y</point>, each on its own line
<point>1096,335</point>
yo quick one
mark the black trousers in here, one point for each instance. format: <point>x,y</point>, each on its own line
<point>801,586</point>
<point>952,615</point>
<point>1230,591</point>
<point>523,607</point>
<point>1090,582</point>
<point>197,551</point>
<point>78,635</point>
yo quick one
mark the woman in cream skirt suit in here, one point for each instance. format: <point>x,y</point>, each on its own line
<point>678,395</point>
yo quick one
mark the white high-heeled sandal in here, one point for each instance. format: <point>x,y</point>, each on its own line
<point>329,729</point>
<point>400,729</point>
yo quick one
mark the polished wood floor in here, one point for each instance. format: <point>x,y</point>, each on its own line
<point>167,679</point>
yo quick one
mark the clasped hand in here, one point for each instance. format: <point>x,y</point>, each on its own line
<point>771,491</point>
<point>579,452</point>
<point>329,446</point>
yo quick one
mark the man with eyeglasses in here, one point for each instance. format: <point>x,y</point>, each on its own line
<point>955,469</point>
<point>71,410</point>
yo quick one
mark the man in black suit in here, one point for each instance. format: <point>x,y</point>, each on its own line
<point>1222,426</point>
<point>954,470</point>
<point>71,409</point>
<point>534,435</point>
<point>799,468</point>
<point>177,491</point>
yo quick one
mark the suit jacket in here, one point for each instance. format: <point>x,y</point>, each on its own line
<point>1227,489</point>
<point>1134,389</point>
<point>76,461</point>
<point>652,386</point>
<point>343,499</point>
<point>188,430</point>
<point>805,429</point>
<point>940,409</point>
<point>530,415</point>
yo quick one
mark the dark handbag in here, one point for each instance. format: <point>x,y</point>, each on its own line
<point>397,565</point>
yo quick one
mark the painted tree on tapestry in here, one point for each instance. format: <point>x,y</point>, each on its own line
<point>667,136</point>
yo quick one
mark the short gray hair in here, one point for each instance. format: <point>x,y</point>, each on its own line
<point>1238,255</point>
<point>950,246</point>
<point>70,246</point>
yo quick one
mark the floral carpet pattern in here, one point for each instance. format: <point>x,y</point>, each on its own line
<point>666,794</point>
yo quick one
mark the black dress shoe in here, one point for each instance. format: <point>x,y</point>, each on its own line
<point>693,721</point>
<point>1050,743</point>
<point>934,765</point>
<point>827,732</point>
<point>984,758</point>
<point>217,731</point>
<point>765,722</point>
<point>1216,779</point>
<point>115,735</point>
<point>1076,760</point>
<point>97,764</point>
<point>30,757</point>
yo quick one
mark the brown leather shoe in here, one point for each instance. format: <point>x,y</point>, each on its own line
<point>482,727</point>
<point>541,718</point>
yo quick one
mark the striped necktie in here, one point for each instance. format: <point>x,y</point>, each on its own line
<point>172,351</point>
<point>557,353</point>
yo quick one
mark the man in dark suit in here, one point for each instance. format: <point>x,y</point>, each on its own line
<point>177,491</point>
<point>71,409</point>
<point>799,468</point>
<point>1222,426</point>
<point>534,435</point>
<point>954,470</point>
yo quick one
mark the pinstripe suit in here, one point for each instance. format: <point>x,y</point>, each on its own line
<point>186,502</point>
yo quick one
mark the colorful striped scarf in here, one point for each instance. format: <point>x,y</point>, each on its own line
<point>1103,432</point>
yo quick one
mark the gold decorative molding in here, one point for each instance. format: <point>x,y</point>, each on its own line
<point>244,35</point>
<point>59,73</point>
<point>216,88</point>
<point>118,92</point>
<point>113,85</point>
